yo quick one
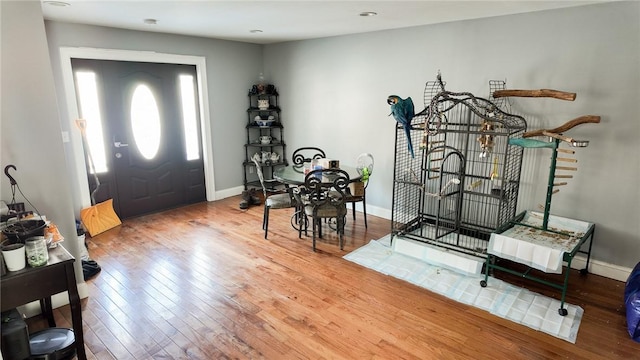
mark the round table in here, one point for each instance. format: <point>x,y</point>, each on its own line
<point>293,175</point>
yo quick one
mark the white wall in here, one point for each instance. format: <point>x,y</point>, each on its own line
<point>30,130</point>
<point>333,95</point>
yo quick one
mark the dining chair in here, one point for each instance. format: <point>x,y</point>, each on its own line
<point>325,192</point>
<point>274,201</point>
<point>305,155</point>
<point>358,190</point>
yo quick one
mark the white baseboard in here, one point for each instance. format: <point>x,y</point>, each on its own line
<point>57,300</point>
<point>375,211</point>
<point>223,194</point>
<point>602,268</point>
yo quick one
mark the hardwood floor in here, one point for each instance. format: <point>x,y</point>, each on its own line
<point>201,282</point>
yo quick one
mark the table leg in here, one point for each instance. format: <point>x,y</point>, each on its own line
<point>76,312</point>
<point>47,311</point>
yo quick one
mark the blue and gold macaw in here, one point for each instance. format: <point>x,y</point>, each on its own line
<point>402,110</point>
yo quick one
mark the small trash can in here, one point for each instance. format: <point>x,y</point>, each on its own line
<point>15,336</point>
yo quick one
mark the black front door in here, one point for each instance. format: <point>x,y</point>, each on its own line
<point>146,135</point>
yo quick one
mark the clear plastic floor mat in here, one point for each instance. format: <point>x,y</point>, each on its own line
<point>499,298</point>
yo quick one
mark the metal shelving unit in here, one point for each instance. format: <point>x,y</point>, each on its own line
<point>265,136</point>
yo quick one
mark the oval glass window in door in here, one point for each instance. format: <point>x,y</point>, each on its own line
<point>145,121</point>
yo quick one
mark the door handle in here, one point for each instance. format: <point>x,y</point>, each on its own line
<point>119,144</point>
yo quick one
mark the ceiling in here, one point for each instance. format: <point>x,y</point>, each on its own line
<point>279,21</point>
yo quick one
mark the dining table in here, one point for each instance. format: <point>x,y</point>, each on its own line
<point>295,175</point>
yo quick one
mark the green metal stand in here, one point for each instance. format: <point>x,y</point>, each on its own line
<point>568,256</point>
<point>553,145</point>
<point>552,174</point>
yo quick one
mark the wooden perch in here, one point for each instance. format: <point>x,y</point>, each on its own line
<point>558,136</point>
<point>568,168</point>
<point>556,94</point>
<point>566,126</point>
<point>566,151</point>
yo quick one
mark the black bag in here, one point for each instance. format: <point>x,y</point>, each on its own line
<point>90,268</point>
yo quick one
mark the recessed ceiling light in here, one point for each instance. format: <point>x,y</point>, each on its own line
<point>368,13</point>
<point>150,21</point>
<point>57,3</point>
<point>255,31</point>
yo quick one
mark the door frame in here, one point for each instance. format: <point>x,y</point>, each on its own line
<point>78,159</point>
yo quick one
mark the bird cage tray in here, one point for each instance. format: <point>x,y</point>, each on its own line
<point>525,240</point>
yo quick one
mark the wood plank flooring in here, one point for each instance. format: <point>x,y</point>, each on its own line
<point>201,282</point>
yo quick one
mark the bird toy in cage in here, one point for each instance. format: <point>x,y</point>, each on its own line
<point>496,182</point>
<point>486,139</point>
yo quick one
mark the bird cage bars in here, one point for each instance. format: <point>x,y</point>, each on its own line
<point>464,182</point>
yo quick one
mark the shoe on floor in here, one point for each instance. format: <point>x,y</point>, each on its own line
<point>246,199</point>
<point>254,198</point>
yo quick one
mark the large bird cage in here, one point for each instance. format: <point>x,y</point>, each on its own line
<point>463,182</point>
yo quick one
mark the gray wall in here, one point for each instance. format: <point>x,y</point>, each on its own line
<point>30,130</point>
<point>334,90</point>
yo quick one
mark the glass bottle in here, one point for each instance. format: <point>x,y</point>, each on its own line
<point>37,252</point>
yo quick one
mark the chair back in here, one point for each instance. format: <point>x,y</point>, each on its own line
<point>326,187</point>
<point>364,165</point>
<point>260,176</point>
<point>305,155</point>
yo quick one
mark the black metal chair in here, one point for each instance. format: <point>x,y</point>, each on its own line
<point>323,195</point>
<point>274,201</point>
<point>364,164</point>
<point>304,155</point>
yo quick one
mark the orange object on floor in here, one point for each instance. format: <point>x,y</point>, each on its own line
<point>99,218</point>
